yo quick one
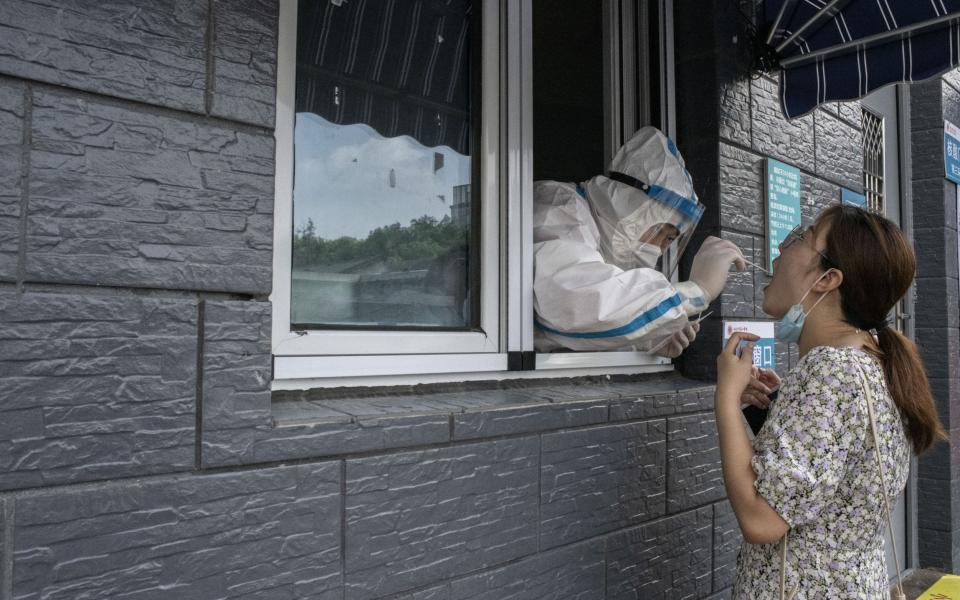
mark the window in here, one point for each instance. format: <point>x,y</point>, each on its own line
<point>383,118</point>
<point>387,209</point>
<point>873,160</point>
<point>408,137</point>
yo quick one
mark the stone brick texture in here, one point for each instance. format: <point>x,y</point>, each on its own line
<point>636,565</point>
<point>267,533</point>
<point>153,52</point>
<point>937,316</point>
<point>244,67</point>
<point>725,152</point>
<point>142,453</point>
<point>11,156</point>
<point>415,518</point>
<point>726,543</point>
<point>95,387</point>
<point>600,479</point>
<point>790,141</point>
<point>575,571</point>
<point>125,197</point>
<point>726,162</point>
<point>694,474</point>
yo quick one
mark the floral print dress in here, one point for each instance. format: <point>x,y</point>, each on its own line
<point>816,467</point>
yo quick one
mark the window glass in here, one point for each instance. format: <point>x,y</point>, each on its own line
<point>385,216</point>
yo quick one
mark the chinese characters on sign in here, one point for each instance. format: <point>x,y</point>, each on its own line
<point>783,204</point>
<point>763,355</point>
<point>951,151</point>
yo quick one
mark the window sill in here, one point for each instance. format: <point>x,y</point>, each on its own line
<point>326,423</point>
<point>310,372</point>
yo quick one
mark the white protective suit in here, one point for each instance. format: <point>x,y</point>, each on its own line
<point>594,285</point>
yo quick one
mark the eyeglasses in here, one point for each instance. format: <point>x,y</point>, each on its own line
<point>799,233</point>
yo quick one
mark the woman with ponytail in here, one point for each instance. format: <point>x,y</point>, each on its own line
<point>812,492</point>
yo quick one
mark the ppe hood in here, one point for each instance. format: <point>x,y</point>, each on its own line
<point>646,196</point>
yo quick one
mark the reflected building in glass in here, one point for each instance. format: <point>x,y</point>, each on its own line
<point>461,207</point>
<point>383,167</point>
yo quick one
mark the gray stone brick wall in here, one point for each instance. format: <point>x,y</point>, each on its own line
<point>694,475</point>
<point>726,544</point>
<point>601,479</point>
<point>825,145</point>
<point>142,454</point>
<point>580,510</point>
<point>416,518</point>
<point>264,533</point>
<point>575,571</point>
<point>937,316</point>
<point>121,196</point>
<point>668,558</point>
<point>155,52</point>
<point>142,50</point>
<point>726,163</point>
<point>243,70</point>
<point>95,387</point>
<point>11,155</point>
<point>793,141</point>
<point>236,375</point>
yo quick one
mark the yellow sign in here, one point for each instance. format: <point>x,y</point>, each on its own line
<point>946,588</point>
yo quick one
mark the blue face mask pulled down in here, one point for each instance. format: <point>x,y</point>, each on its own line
<point>791,325</point>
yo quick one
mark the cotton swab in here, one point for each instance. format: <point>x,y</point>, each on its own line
<point>668,338</point>
<point>753,264</point>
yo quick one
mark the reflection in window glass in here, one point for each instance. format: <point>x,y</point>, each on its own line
<point>383,211</point>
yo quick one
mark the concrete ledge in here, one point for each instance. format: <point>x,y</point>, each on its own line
<point>312,424</point>
<point>634,397</point>
<point>245,424</point>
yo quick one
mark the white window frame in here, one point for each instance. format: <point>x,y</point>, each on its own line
<point>622,54</point>
<point>318,343</point>
<point>325,358</point>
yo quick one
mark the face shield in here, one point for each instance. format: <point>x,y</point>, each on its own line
<point>645,203</point>
<point>670,218</point>
<point>633,221</point>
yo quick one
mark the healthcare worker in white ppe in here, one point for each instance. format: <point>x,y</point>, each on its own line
<point>596,248</point>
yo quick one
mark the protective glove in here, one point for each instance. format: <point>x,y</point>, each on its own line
<point>678,342</point>
<point>712,264</point>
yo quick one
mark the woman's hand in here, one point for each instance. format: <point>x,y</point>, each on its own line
<point>763,382</point>
<point>734,372</point>
<point>760,523</point>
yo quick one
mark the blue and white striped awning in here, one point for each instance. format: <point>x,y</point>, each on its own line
<point>832,50</point>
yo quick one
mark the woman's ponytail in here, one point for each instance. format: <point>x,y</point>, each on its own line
<point>879,265</point>
<point>910,389</point>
